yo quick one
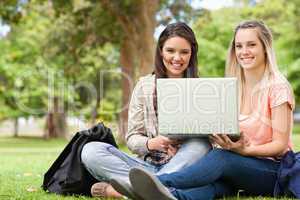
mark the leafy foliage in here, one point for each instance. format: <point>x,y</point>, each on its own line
<point>214,31</point>
<point>9,11</point>
<point>46,55</point>
<point>70,49</point>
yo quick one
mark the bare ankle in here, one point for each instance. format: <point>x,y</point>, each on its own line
<point>111,192</point>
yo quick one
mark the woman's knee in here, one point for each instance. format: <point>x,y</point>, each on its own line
<point>225,156</point>
<point>198,145</point>
<point>218,152</point>
<point>93,151</point>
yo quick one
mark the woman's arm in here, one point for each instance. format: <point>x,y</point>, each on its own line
<point>137,140</point>
<point>136,136</point>
<point>281,123</point>
<point>282,117</point>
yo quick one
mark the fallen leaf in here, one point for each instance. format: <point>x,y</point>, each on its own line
<point>27,174</point>
<point>31,189</point>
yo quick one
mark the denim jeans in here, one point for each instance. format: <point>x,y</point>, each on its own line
<point>222,173</point>
<point>104,161</point>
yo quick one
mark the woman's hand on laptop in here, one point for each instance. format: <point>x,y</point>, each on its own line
<point>160,143</point>
<point>172,149</point>
<point>240,146</point>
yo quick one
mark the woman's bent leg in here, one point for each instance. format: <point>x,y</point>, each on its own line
<point>207,192</point>
<point>190,152</point>
<point>205,171</point>
<point>247,173</point>
<point>105,162</point>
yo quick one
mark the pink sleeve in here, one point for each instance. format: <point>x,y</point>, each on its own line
<point>280,94</point>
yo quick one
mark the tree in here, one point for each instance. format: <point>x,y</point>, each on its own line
<point>9,12</point>
<point>79,40</point>
<point>214,31</point>
<point>133,22</point>
<point>137,21</point>
<point>283,19</point>
<point>20,52</point>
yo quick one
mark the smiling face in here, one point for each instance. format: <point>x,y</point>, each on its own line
<point>176,54</point>
<point>249,49</point>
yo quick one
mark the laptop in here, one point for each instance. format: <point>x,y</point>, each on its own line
<point>197,107</point>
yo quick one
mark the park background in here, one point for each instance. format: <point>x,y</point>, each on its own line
<point>66,65</point>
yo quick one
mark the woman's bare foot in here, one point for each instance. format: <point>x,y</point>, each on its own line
<point>103,189</point>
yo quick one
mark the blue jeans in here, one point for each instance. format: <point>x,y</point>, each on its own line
<point>105,162</point>
<point>222,173</point>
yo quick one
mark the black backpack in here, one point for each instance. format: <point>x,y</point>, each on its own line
<point>67,175</point>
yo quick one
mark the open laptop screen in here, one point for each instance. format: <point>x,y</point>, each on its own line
<point>197,106</point>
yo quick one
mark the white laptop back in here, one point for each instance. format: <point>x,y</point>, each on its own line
<point>197,106</point>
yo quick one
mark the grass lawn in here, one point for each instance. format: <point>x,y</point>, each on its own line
<point>296,128</point>
<point>23,161</point>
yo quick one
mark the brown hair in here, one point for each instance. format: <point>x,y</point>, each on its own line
<point>178,29</point>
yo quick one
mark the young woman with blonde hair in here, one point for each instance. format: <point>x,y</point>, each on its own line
<point>266,114</point>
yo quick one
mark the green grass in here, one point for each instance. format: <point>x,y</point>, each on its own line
<point>23,161</point>
<point>296,129</point>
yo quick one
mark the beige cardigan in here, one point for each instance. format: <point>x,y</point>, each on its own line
<point>142,121</point>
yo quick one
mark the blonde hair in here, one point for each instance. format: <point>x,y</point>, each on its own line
<point>233,68</point>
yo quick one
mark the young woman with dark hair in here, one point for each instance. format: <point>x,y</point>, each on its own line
<point>176,57</point>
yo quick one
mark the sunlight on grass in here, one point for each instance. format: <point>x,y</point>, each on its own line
<point>296,129</point>
<point>25,160</point>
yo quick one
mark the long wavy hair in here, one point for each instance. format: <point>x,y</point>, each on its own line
<point>178,29</point>
<point>234,69</point>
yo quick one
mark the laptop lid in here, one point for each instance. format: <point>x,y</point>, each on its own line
<point>197,106</point>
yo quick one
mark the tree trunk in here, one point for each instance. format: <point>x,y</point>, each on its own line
<point>16,127</point>
<point>145,26</point>
<point>137,47</point>
<point>127,60</point>
<point>56,125</point>
<point>94,113</point>
<point>137,53</point>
